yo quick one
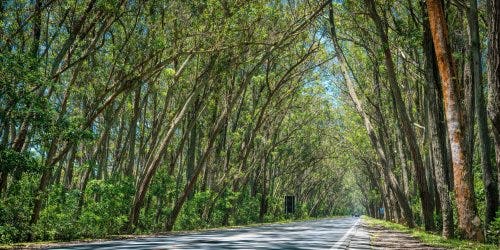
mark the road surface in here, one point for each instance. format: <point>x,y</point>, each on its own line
<point>342,233</point>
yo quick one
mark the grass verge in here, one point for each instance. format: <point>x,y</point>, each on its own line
<point>429,238</point>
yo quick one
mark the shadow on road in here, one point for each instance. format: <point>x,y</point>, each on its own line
<point>318,234</point>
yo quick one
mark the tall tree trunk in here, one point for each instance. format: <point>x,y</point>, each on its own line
<point>37,21</point>
<point>406,124</point>
<point>68,173</point>
<point>154,163</point>
<point>468,221</point>
<point>404,166</point>
<point>490,184</point>
<point>494,77</point>
<point>191,149</point>
<point>20,140</point>
<point>129,170</point>
<point>386,171</point>
<point>437,133</point>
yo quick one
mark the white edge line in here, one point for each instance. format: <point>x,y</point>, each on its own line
<point>344,238</point>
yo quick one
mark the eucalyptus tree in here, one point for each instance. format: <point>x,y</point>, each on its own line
<point>469,222</point>
<point>386,164</point>
<point>493,79</point>
<point>386,58</point>
<point>130,116</point>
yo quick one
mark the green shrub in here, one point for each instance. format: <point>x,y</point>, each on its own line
<point>107,207</point>
<point>193,211</point>
<point>15,210</point>
<point>493,231</point>
<point>247,210</point>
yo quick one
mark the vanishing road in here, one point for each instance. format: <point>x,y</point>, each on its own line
<point>342,233</point>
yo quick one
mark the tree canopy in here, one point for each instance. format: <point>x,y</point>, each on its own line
<point>151,116</point>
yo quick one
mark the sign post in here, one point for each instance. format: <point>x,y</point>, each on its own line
<point>289,204</point>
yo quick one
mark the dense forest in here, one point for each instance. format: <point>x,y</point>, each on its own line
<point>151,116</point>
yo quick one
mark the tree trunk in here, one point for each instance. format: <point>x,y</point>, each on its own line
<point>386,171</point>
<point>490,184</point>
<point>437,134</point>
<point>129,170</point>
<point>468,221</point>
<point>494,77</point>
<point>154,163</point>
<point>406,124</point>
<point>404,167</point>
<point>191,149</point>
<point>437,141</point>
<point>68,173</point>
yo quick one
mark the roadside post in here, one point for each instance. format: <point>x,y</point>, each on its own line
<point>289,204</point>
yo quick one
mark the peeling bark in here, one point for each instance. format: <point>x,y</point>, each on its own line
<point>469,223</point>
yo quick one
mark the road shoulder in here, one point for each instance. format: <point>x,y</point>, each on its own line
<point>384,238</point>
<point>389,235</point>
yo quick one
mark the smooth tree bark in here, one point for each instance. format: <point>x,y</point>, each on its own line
<point>404,119</point>
<point>132,133</point>
<point>154,163</point>
<point>494,77</point>
<point>469,223</point>
<point>490,184</point>
<point>404,167</point>
<point>156,158</point>
<point>387,172</point>
<point>437,133</point>
<point>191,149</point>
<point>68,173</point>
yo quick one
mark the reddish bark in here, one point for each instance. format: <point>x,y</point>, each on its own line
<point>469,223</point>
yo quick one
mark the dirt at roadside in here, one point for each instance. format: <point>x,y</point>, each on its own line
<point>383,238</point>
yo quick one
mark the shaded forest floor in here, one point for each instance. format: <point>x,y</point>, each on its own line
<point>388,235</point>
<point>384,238</point>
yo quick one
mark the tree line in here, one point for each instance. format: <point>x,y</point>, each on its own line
<point>146,116</point>
<point>150,116</point>
<point>423,77</point>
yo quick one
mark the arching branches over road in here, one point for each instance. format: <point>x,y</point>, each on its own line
<point>150,116</point>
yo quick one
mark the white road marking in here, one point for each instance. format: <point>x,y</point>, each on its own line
<point>346,235</point>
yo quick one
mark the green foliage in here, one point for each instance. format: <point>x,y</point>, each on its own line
<point>107,206</point>
<point>15,210</point>
<point>11,160</point>
<point>493,231</point>
<point>71,130</point>
<point>301,212</point>
<point>275,209</point>
<point>58,218</point>
<point>193,213</point>
<point>260,73</point>
<point>247,210</point>
<point>21,80</point>
<point>104,213</point>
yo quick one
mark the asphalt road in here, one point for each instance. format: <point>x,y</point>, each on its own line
<point>318,234</point>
